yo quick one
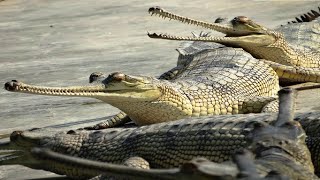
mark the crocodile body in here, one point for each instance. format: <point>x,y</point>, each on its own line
<point>198,168</point>
<point>212,80</point>
<point>279,150</point>
<point>162,145</point>
<point>208,79</point>
<point>292,50</point>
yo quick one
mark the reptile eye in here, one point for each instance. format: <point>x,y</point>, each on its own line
<point>118,76</point>
<point>241,19</point>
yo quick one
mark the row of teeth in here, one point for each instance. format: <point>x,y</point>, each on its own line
<point>57,91</point>
<point>167,36</point>
<point>186,20</point>
<point>171,16</point>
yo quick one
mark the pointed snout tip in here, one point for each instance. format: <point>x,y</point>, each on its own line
<point>154,8</point>
<point>15,135</point>
<point>11,85</point>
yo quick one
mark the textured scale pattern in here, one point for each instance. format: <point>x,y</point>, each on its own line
<point>167,145</point>
<point>303,36</point>
<point>220,80</point>
<point>296,52</point>
<point>215,81</point>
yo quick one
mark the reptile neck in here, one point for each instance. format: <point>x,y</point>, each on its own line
<point>281,52</point>
<point>171,105</point>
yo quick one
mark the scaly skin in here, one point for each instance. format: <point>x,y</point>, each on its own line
<point>279,149</point>
<point>209,82</point>
<point>163,145</point>
<point>291,56</point>
<point>199,168</point>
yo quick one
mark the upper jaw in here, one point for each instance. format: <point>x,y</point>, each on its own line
<point>113,82</point>
<point>230,29</point>
<point>16,86</point>
<point>213,26</point>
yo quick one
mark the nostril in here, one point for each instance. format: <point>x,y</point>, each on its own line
<point>8,86</point>
<point>155,8</point>
<point>14,135</point>
<point>11,86</point>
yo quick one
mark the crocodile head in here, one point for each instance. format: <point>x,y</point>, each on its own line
<point>145,99</point>
<point>239,32</point>
<point>17,150</point>
<point>114,86</point>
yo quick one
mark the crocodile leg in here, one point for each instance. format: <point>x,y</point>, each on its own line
<point>116,120</point>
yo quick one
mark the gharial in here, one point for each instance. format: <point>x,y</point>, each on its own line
<point>244,168</point>
<point>215,81</point>
<point>209,79</point>
<point>292,50</point>
<point>169,144</point>
<point>269,159</point>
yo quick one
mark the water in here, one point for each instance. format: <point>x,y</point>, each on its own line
<point>60,43</point>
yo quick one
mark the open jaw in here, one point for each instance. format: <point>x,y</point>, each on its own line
<point>239,30</point>
<point>115,85</point>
